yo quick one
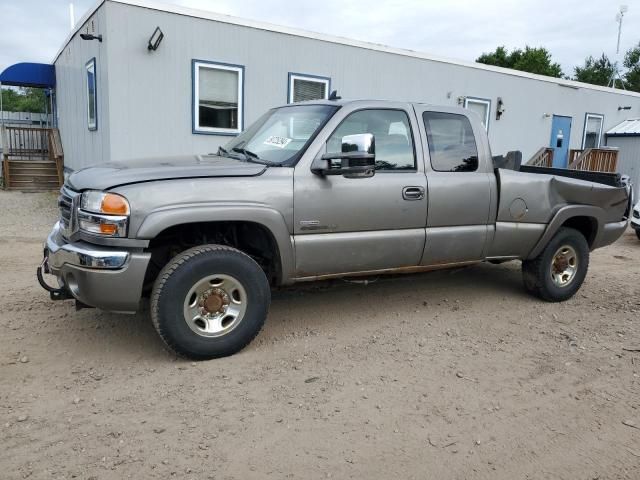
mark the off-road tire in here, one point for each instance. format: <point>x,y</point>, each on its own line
<point>536,273</point>
<point>176,279</point>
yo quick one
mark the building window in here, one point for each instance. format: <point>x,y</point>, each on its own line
<point>482,107</point>
<point>307,87</point>
<point>393,137</point>
<point>92,100</point>
<point>217,98</point>
<point>452,146</point>
<point>592,130</point>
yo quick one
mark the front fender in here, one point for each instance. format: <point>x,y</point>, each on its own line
<point>159,220</point>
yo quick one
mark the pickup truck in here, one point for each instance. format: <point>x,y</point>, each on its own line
<point>312,191</point>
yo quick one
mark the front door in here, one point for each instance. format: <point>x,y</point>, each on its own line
<point>349,225</point>
<point>560,135</point>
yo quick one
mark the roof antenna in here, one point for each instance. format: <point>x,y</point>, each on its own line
<point>334,95</point>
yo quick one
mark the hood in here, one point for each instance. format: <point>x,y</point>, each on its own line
<point>110,175</point>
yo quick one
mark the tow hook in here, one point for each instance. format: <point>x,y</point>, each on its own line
<point>54,293</point>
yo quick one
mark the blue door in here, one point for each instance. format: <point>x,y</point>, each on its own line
<point>560,135</point>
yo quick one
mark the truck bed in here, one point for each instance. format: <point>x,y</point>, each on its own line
<point>610,179</point>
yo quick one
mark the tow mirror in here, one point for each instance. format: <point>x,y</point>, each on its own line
<point>357,158</point>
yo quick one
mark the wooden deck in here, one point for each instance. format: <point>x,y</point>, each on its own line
<point>33,159</point>
<point>591,159</point>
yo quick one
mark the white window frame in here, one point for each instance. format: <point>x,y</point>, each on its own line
<point>480,101</point>
<point>197,65</point>
<point>310,78</point>
<point>587,116</point>
<point>92,125</point>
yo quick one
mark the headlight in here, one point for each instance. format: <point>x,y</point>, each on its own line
<point>103,213</point>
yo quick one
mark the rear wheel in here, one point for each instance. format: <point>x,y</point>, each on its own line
<point>210,301</point>
<point>558,272</point>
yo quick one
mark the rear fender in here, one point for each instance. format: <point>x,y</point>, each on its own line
<point>564,214</point>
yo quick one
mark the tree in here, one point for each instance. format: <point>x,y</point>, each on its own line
<point>531,59</point>
<point>632,64</point>
<point>595,71</point>
<point>27,99</point>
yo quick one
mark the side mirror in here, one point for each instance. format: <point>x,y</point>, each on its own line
<point>356,160</point>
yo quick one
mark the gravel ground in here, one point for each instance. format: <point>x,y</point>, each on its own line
<point>447,375</point>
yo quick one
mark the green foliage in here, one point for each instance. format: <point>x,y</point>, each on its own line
<point>531,59</point>
<point>632,64</point>
<point>27,99</point>
<point>595,71</point>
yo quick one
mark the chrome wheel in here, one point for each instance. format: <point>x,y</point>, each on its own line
<point>215,305</point>
<point>564,266</point>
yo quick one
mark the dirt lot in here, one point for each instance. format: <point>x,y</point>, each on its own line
<point>456,374</point>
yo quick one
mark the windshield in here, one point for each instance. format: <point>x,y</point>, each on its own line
<point>280,136</point>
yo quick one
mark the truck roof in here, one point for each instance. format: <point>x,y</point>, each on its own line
<point>343,102</point>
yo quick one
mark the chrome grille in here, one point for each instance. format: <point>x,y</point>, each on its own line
<point>67,203</point>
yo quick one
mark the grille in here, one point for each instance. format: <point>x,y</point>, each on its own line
<point>67,204</point>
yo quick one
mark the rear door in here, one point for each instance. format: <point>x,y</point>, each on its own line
<point>461,186</point>
<point>560,136</point>
<point>347,225</point>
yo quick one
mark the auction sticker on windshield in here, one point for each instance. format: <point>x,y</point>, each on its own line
<point>276,141</point>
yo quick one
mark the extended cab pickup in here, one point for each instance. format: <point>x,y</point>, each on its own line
<point>312,191</point>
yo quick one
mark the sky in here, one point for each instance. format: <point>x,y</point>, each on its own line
<point>33,30</point>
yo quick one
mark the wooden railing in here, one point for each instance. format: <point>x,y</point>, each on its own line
<point>542,158</point>
<point>31,144</point>
<point>594,159</point>
<point>26,142</point>
<point>56,153</point>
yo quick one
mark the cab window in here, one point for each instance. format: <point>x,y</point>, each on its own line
<point>393,137</point>
<point>452,146</point>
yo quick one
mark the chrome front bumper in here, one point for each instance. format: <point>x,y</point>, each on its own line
<point>97,276</point>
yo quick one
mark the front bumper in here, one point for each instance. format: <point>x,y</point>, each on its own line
<point>97,276</point>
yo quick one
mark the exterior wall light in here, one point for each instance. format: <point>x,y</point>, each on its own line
<point>499,108</point>
<point>89,36</point>
<point>155,39</point>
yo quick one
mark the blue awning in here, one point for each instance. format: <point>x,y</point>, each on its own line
<point>40,75</point>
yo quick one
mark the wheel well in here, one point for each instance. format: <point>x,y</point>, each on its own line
<point>252,238</point>
<point>588,226</point>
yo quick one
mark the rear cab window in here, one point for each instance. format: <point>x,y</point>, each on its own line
<point>452,145</point>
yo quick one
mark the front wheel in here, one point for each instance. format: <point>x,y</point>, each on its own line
<point>638,233</point>
<point>210,301</point>
<point>558,272</point>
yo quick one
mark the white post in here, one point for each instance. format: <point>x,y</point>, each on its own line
<point>72,17</point>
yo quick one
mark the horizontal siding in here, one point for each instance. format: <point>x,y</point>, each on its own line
<point>81,146</point>
<point>150,92</point>
<point>628,159</point>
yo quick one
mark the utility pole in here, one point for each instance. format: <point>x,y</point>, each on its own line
<point>616,71</point>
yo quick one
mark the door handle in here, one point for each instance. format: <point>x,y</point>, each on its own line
<point>413,193</point>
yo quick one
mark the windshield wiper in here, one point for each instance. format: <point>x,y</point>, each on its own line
<point>254,158</point>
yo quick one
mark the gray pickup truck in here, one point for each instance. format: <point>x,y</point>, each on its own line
<point>312,191</point>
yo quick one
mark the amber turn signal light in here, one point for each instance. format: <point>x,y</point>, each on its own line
<point>108,229</point>
<point>114,205</point>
